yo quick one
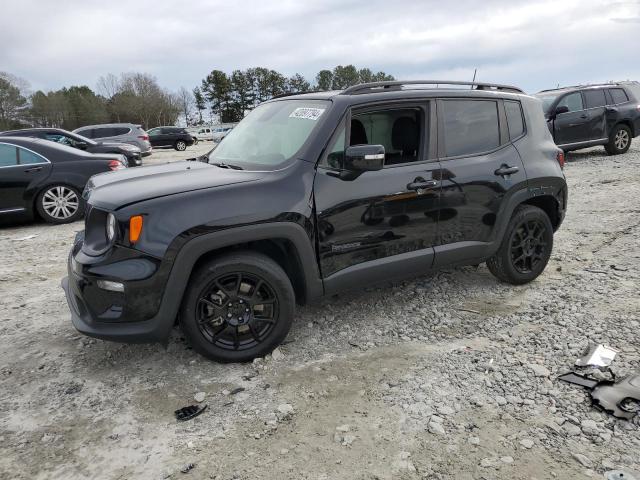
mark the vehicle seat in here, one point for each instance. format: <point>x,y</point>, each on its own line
<point>404,139</point>
<point>358,133</point>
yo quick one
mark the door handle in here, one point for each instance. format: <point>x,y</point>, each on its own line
<point>505,170</point>
<point>422,184</point>
<point>33,169</point>
<point>584,115</point>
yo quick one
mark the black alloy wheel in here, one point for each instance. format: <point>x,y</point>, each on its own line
<point>528,246</point>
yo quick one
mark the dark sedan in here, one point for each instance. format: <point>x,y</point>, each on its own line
<point>39,176</point>
<point>58,135</point>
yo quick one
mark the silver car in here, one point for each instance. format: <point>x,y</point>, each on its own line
<point>119,132</point>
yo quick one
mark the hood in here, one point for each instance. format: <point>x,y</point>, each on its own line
<point>113,190</point>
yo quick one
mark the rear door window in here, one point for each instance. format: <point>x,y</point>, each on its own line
<point>87,133</point>
<point>26,157</point>
<point>120,131</point>
<point>103,132</point>
<point>618,95</point>
<point>594,98</point>
<point>470,126</point>
<point>514,118</point>
<point>573,102</point>
<point>8,155</point>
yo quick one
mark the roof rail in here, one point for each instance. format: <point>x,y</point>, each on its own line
<point>586,85</point>
<point>396,85</point>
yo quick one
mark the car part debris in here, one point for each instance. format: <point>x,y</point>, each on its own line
<point>618,475</point>
<point>621,399</point>
<point>187,413</point>
<point>578,379</point>
<point>597,356</point>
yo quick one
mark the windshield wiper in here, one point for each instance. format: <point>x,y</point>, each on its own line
<point>227,165</point>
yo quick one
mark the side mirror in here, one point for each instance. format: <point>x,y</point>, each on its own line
<point>562,109</point>
<point>364,158</point>
<point>82,145</point>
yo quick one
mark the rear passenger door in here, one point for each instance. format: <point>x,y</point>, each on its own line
<point>573,126</point>
<point>20,170</point>
<point>595,103</point>
<point>480,167</point>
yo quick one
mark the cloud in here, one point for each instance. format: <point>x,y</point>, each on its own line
<point>534,44</point>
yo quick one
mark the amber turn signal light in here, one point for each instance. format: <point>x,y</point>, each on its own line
<point>135,228</point>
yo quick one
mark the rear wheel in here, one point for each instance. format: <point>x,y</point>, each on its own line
<point>619,140</point>
<point>237,307</point>
<point>526,247</point>
<point>59,204</point>
<point>181,145</point>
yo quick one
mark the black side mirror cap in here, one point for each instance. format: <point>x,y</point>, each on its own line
<point>562,109</point>
<point>364,158</point>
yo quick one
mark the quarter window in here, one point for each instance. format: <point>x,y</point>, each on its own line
<point>27,158</point>
<point>594,98</point>
<point>573,102</point>
<point>618,95</point>
<point>120,131</point>
<point>8,156</point>
<point>514,119</point>
<point>470,126</point>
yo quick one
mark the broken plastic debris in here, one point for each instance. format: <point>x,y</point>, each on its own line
<point>621,399</point>
<point>188,467</point>
<point>597,356</point>
<point>578,380</point>
<point>187,413</point>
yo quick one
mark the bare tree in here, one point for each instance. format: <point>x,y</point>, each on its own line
<point>186,102</point>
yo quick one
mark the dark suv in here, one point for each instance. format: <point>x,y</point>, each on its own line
<point>176,137</point>
<point>586,116</point>
<point>311,195</point>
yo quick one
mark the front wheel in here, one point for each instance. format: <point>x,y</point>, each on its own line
<point>526,247</point>
<point>619,141</point>
<point>181,145</point>
<point>237,307</point>
<point>59,204</point>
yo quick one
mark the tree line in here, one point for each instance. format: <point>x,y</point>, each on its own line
<point>230,96</point>
<point>138,98</point>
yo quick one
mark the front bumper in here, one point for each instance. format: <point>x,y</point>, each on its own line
<point>131,317</point>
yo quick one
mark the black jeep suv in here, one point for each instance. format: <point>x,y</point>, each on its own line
<point>311,195</point>
<point>586,116</point>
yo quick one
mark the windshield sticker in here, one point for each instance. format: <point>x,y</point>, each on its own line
<point>307,112</point>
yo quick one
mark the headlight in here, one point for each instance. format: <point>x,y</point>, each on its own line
<point>111,227</point>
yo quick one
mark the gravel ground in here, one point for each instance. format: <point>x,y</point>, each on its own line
<point>449,375</point>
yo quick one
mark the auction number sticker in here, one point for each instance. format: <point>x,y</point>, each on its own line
<point>307,112</point>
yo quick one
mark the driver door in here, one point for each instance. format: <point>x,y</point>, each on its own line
<point>380,224</point>
<point>572,126</point>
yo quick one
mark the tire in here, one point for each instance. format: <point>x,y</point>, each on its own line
<point>180,145</point>
<point>237,307</point>
<point>195,141</point>
<point>619,140</point>
<point>526,247</point>
<point>60,204</point>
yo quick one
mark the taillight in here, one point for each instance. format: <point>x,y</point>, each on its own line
<point>116,165</point>
<point>560,158</point>
<point>144,137</point>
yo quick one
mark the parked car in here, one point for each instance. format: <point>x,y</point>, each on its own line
<point>221,132</point>
<point>119,132</point>
<point>590,115</point>
<point>58,135</point>
<point>312,195</point>
<point>176,137</point>
<point>200,134</point>
<point>47,178</point>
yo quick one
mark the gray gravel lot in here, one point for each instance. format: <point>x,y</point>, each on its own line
<point>449,375</point>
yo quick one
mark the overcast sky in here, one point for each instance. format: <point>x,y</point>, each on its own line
<point>533,44</point>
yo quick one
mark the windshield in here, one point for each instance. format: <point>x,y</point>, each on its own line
<point>270,134</point>
<point>547,100</point>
